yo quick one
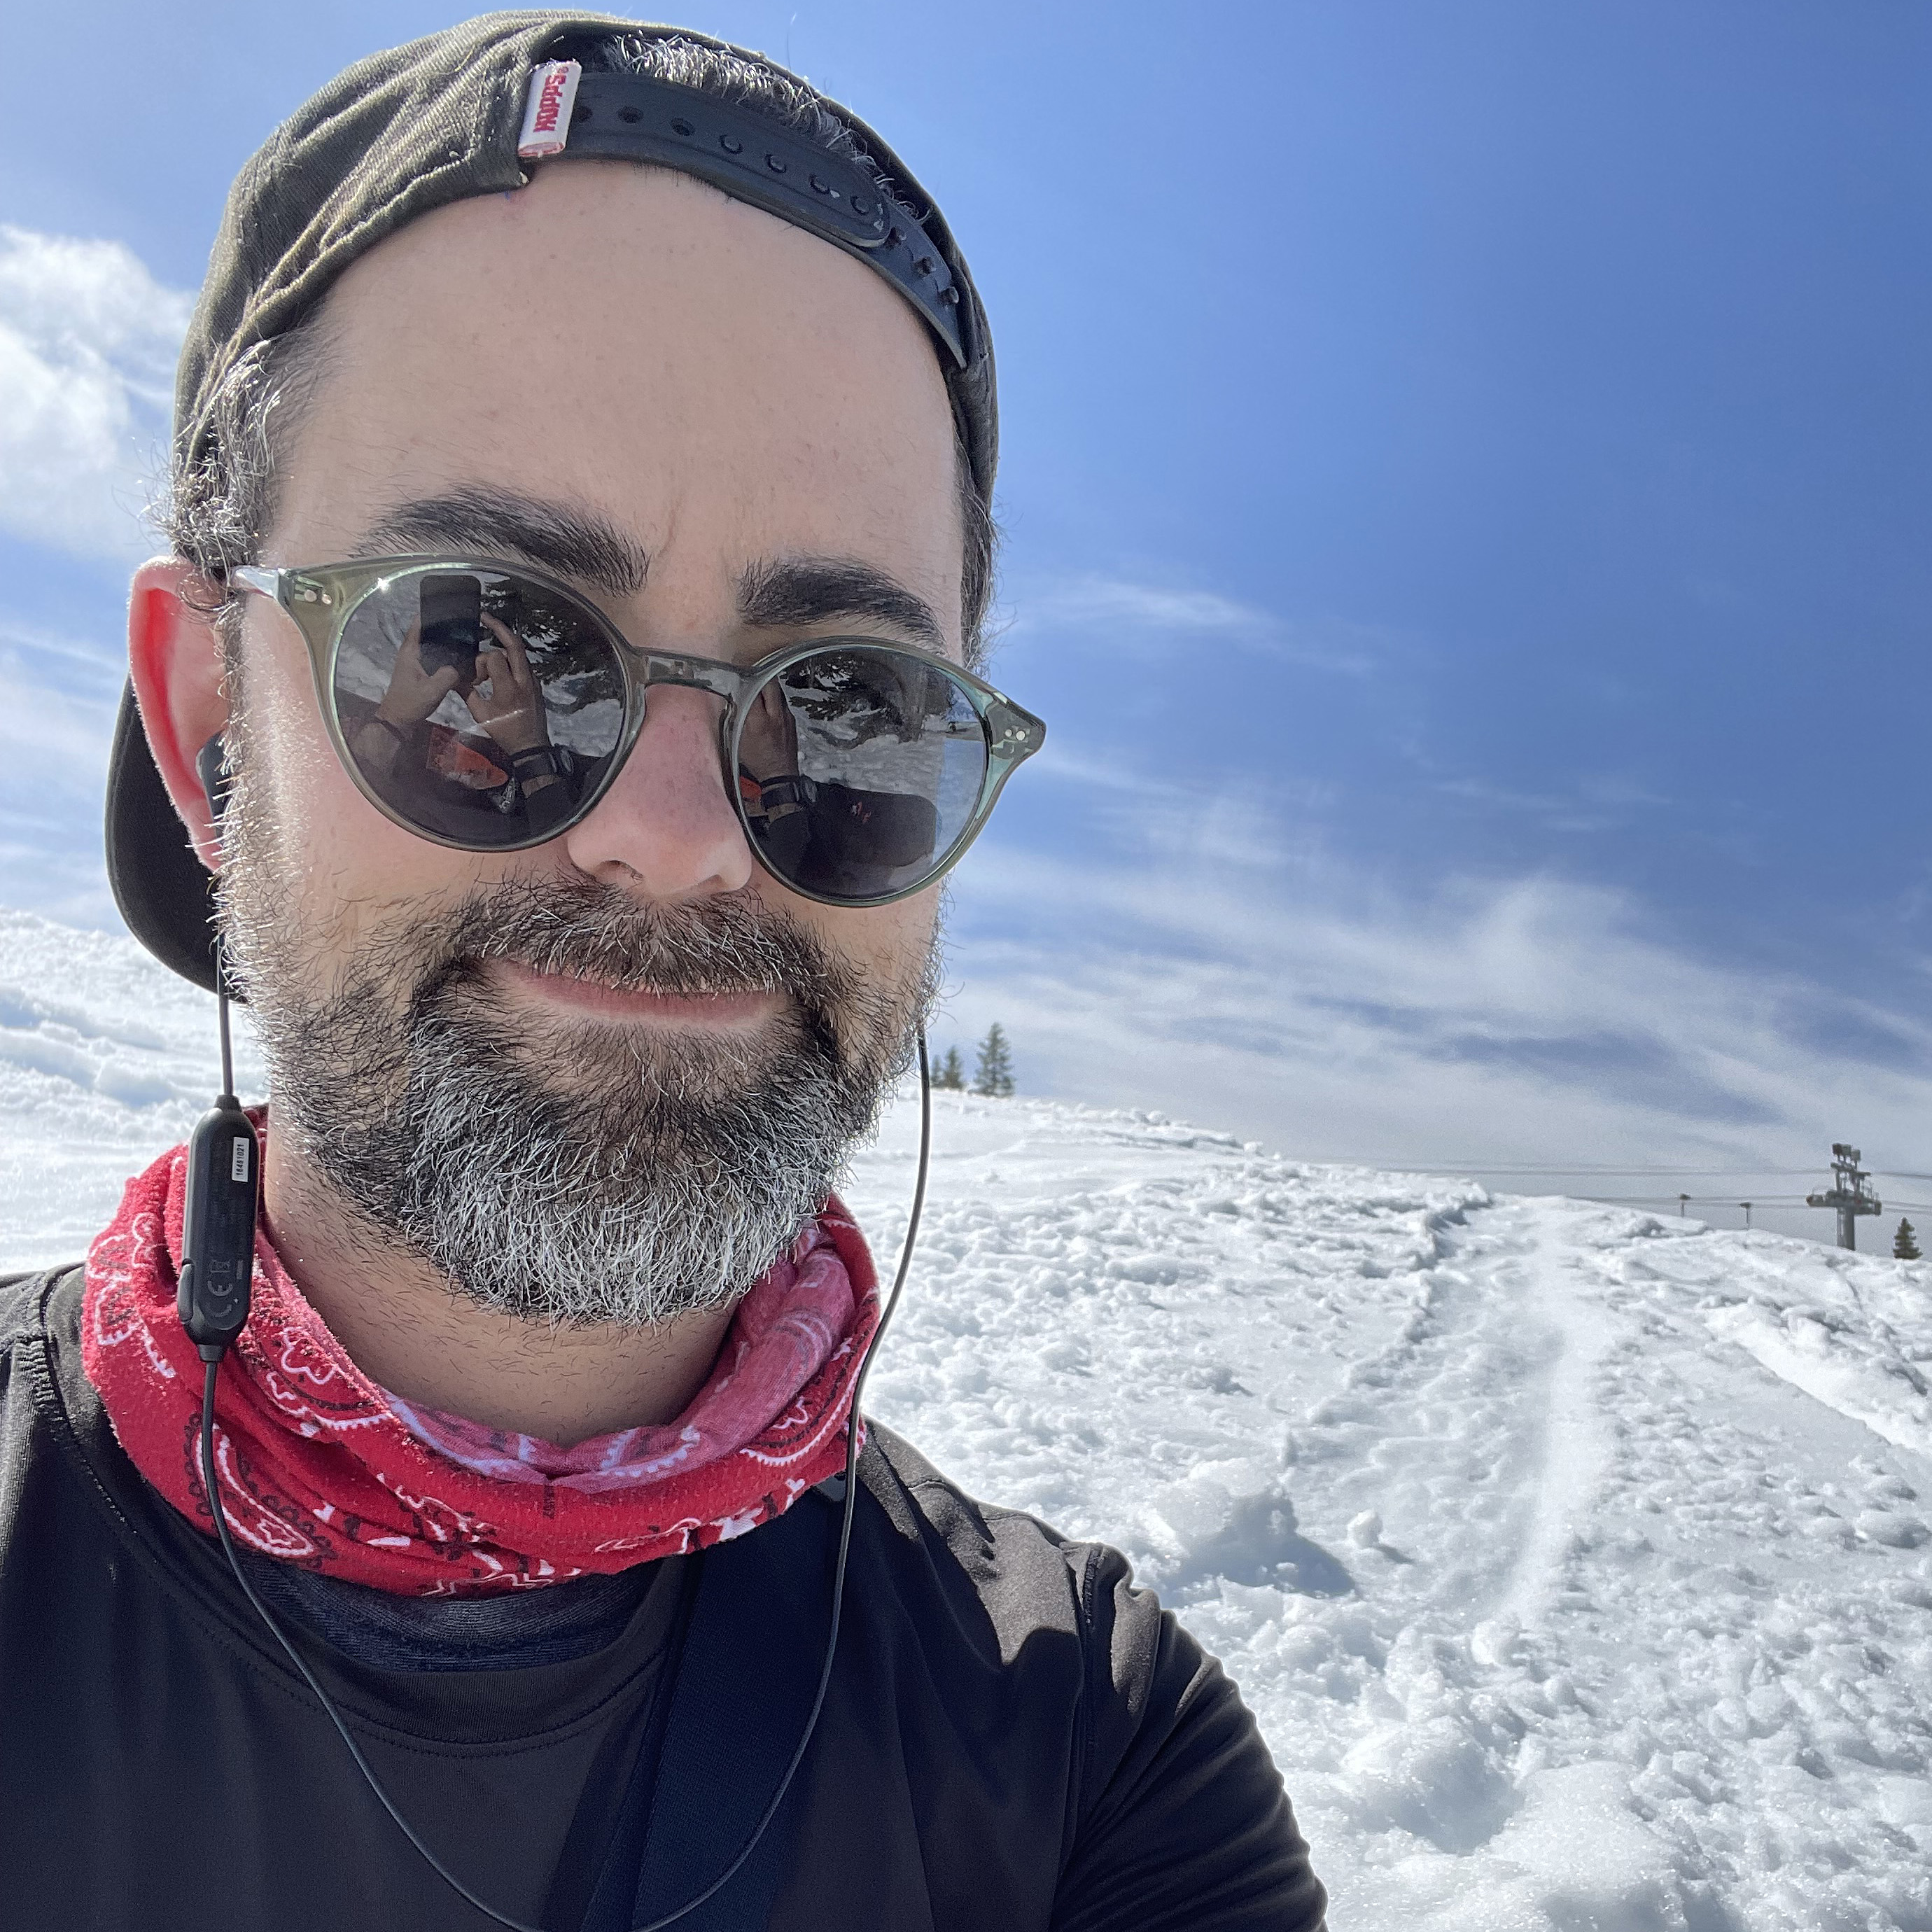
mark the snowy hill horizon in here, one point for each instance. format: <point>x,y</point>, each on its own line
<point>1577,1562</point>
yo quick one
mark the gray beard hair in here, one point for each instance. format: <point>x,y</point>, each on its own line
<point>577,1172</point>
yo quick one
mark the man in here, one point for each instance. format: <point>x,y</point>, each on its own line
<point>584,446</point>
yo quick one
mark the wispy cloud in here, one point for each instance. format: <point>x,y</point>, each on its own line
<point>1595,802</point>
<point>1099,600</point>
<point>1123,613</point>
<point>88,342</point>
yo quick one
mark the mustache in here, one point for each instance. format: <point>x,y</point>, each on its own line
<point>583,929</point>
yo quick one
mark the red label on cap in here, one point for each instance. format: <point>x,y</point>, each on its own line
<point>547,114</point>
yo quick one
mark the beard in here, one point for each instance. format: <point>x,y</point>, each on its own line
<point>569,1171</point>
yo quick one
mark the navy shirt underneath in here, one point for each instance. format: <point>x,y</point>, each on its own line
<point>557,1623</point>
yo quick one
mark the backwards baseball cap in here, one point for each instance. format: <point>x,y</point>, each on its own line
<point>472,110</point>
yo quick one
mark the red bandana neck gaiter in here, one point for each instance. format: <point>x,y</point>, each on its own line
<point>318,1466</point>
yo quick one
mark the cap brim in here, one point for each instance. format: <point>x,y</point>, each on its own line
<point>165,893</point>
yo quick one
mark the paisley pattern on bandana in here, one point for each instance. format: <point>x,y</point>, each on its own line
<point>318,1466</point>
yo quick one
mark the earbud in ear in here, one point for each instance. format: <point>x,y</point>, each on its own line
<point>211,766</point>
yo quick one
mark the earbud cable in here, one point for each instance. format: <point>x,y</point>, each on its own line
<point>227,1038</point>
<point>212,1356</point>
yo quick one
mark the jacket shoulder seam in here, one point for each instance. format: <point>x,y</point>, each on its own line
<point>1004,1512</point>
<point>23,1296</point>
<point>47,1398</point>
<point>1090,1689</point>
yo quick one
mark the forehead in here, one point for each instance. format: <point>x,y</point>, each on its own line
<point>723,386</point>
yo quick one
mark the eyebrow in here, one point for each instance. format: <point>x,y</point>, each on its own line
<point>784,593</point>
<point>789,592</point>
<point>568,538</point>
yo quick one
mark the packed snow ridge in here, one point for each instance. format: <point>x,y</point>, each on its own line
<point>1578,1563</point>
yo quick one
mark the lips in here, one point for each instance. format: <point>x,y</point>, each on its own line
<point>587,995</point>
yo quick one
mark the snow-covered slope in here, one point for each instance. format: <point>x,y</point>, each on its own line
<point>1578,1564</point>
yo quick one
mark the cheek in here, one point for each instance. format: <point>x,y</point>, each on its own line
<point>883,945</point>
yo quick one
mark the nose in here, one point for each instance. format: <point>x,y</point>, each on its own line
<point>666,830</point>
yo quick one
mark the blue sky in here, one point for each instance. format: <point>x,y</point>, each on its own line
<point>1465,487</point>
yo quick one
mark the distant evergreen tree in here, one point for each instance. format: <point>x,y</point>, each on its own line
<point>951,1073</point>
<point>994,1076</point>
<point>1903,1247</point>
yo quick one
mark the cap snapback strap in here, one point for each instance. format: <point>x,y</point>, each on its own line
<point>633,117</point>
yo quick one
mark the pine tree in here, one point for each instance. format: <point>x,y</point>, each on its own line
<point>1903,1247</point>
<point>951,1073</point>
<point>994,1076</point>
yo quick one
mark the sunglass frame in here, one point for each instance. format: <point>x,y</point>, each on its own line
<point>321,598</point>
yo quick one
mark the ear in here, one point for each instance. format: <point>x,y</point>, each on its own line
<point>174,652</point>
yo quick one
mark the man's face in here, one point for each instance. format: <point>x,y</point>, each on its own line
<point>731,437</point>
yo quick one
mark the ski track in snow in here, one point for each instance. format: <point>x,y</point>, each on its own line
<point>1577,1563</point>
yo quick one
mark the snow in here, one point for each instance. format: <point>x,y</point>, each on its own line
<point>1577,1563</point>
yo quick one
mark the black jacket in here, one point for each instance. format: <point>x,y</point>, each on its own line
<point>1015,1737</point>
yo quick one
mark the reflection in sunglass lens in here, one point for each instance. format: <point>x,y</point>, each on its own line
<point>480,706</point>
<point>859,767</point>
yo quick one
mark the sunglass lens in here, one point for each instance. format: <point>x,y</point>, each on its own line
<point>859,767</point>
<point>480,707</point>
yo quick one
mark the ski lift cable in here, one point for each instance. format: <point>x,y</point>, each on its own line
<point>1584,1167</point>
<point>1774,1203</point>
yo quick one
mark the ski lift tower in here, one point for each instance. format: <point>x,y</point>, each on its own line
<point>1851,1193</point>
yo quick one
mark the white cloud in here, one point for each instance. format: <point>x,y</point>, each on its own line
<point>1483,1024</point>
<point>88,343</point>
<point>54,733</point>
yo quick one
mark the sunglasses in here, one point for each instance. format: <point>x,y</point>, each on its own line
<point>489,707</point>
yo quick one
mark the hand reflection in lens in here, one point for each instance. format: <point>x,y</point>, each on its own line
<point>416,688</point>
<point>504,699</point>
<point>498,687</point>
<point>768,746</point>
